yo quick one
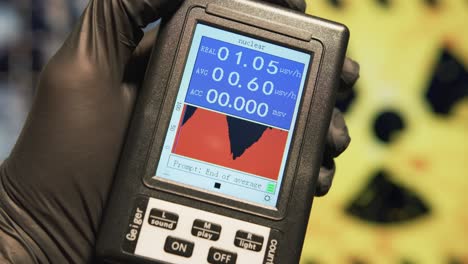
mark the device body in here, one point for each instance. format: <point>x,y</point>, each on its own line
<point>206,216</point>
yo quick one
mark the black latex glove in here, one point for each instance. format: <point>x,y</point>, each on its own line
<point>338,138</point>
<point>54,186</point>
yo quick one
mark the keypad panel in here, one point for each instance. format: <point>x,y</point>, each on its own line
<point>179,234</point>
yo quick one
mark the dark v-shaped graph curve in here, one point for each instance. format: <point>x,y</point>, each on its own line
<point>242,134</point>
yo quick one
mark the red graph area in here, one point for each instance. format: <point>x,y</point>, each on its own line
<point>205,137</point>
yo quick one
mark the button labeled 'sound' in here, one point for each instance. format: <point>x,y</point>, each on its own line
<point>163,219</point>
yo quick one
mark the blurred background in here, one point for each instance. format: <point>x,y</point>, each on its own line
<point>30,33</point>
<point>400,191</point>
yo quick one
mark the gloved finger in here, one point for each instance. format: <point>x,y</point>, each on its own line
<point>143,51</point>
<point>338,138</point>
<point>326,175</point>
<point>299,5</point>
<point>349,75</point>
<point>136,67</point>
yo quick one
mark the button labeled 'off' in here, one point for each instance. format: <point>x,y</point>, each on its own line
<point>218,256</point>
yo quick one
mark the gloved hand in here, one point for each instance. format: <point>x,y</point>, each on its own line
<point>54,185</point>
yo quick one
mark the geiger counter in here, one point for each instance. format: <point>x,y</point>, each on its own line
<point>226,141</point>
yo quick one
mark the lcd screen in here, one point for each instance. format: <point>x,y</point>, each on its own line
<point>234,116</point>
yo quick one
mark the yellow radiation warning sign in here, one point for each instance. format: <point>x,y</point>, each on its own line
<point>400,193</point>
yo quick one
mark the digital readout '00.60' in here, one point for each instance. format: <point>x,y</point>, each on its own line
<point>234,79</point>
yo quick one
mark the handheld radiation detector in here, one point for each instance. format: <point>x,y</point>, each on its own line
<point>226,141</point>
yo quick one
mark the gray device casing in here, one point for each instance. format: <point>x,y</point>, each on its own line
<point>326,40</point>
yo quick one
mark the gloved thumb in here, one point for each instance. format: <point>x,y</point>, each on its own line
<point>110,30</point>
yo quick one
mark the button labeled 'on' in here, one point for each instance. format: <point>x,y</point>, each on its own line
<point>179,247</point>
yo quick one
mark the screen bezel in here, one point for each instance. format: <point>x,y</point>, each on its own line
<point>196,16</point>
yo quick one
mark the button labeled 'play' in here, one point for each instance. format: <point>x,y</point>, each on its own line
<point>206,230</point>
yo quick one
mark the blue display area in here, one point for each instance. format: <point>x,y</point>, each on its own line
<point>245,82</point>
<point>237,76</point>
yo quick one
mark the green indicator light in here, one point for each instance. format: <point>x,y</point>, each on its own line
<point>271,187</point>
